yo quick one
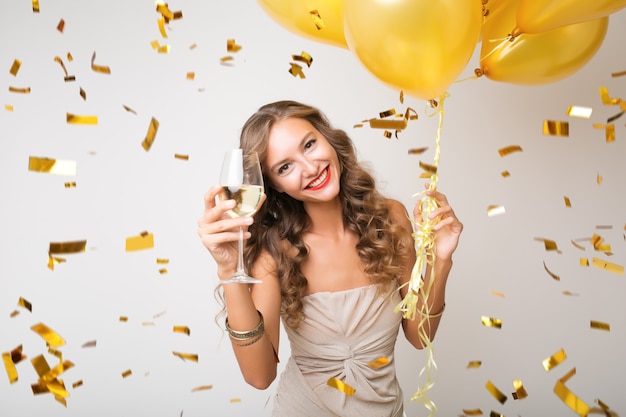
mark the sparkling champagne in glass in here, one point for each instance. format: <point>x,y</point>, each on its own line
<point>242,181</point>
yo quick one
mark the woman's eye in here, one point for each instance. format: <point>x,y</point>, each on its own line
<point>283,168</point>
<point>309,144</point>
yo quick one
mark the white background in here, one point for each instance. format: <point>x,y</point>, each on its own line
<point>122,190</point>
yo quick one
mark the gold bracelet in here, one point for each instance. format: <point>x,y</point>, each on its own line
<point>434,316</point>
<point>237,335</point>
<point>251,342</point>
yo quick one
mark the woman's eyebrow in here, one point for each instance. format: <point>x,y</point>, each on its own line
<point>301,144</point>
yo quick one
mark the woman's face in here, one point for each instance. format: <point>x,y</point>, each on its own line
<point>301,162</point>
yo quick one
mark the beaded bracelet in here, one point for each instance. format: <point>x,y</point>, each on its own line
<point>434,316</point>
<point>258,330</point>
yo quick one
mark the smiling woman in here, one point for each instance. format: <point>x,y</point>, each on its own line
<point>333,255</point>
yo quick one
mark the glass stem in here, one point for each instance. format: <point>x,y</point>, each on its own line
<point>240,270</point>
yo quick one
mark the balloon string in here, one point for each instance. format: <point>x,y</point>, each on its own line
<point>425,259</point>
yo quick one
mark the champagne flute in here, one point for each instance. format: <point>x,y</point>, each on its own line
<point>242,180</point>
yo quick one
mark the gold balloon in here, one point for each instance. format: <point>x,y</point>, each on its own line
<point>319,20</point>
<point>418,46</point>
<point>533,59</point>
<point>536,16</point>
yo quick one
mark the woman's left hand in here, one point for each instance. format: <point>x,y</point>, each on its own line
<point>447,230</point>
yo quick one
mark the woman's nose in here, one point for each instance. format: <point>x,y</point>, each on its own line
<point>309,167</point>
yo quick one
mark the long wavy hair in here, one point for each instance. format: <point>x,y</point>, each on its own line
<point>281,220</point>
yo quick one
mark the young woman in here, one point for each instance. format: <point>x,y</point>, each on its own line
<point>332,253</point>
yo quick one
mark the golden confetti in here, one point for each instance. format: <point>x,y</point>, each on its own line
<point>494,210</point>
<point>608,266</point>
<point>568,397</point>
<point>491,322</point>
<point>520,391</point>
<point>225,60</point>
<point>161,49</point>
<point>82,94</point>
<point>143,241</point>
<point>127,373</point>
<point>505,174</point>
<point>497,293</point>
<point>8,107</point>
<point>99,68</point>
<point>53,261</point>
<point>71,184</point>
<point>417,151</point>
<point>49,335</point>
<point>341,386</point>
<point>67,247</point>
<point>77,384</point>
<point>548,244</point>
<point>24,303</point>
<point>579,111</point>
<point>147,323</point>
<point>25,90</point>
<point>151,135</point>
<point>161,24</point>
<point>14,313</point>
<point>9,366</point>
<point>495,414</point>
<point>231,46</point>
<point>182,329</point>
<point>555,128</point>
<point>182,157</point>
<point>618,74</point>
<point>599,178</point>
<point>378,363</point>
<point>235,400</point>
<point>497,394</point>
<point>474,364</point>
<point>568,203</point>
<point>569,293</point>
<point>89,344</point>
<point>509,150</point>
<point>162,261</point>
<point>123,319</point>
<point>388,124</point>
<point>81,120</point>
<point>61,25</point>
<point>15,67</point>
<point>606,98</point>
<point>303,57</point>
<point>600,325</point>
<point>584,262</point>
<point>554,360</point>
<point>618,115</point>
<point>473,412</point>
<point>317,19</point>
<point>597,242</point>
<point>430,169</point>
<point>552,274</point>
<point>128,109</point>
<point>186,356</point>
<point>191,76</point>
<point>202,388</point>
<point>35,6</point>
<point>296,70</point>
<point>192,46</point>
<point>610,133</point>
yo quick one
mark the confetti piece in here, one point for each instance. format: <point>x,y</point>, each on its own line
<point>14,313</point>
<point>82,94</point>
<point>430,169</point>
<point>378,363</point>
<point>317,19</point>
<point>182,157</point>
<point>296,70</point>
<point>25,90</point>
<point>141,242</point>
<point>24,303</point>
<point>162,261</point>
<point>584,262</point>
<point>491,322</point>
<point>61,25</point>
<point>225,60</point>
<point>151,135</point>
<point>569,293</point>
<point>49,335</point>
<point>497,293</point>
<point>552,274</point>
<point>231,46</point>
<point>191,76</point>
<point>600,325</point>
<point>161,24</point>
<point>123,319</point>
<point>474,364</point>
<point>609,133</point>
<point>182,329</point>
<point>555,128</point>
<point>417,151</point>
<point>568,203</point>
<point>303,57</point>
<point>341,386</point>
<point>161,49</point>
<point>67,247</point>
<point>35,6</point>
<point>235,400</point>
<point>554,360</point>
<point>473,412</point>
<point>147,323</point>
<point>615,117</point>
<point>202,388</point>
<point>128,109</point>
<point>8,107</point>
<point>608,266</point>
<point>618,74</point>
<point>9,366</point>
<point>81,120</point>
<point>606,98</point>
<point>186,356</point>
<point>505,174</point>
<point>497,394</point>
<point>579,111</point>
<point>99,68</point>
<point>597,243</point>
<point>509,150</point>
<point>550,245</point>
<point>163,271</point>
<point>77,384</point>
<point>89,344</point>
<point>568,397</point>
<point>520,391</point>
<point>53,261</point>
<point>15,67</point>
<point>599,178</point>
<point>494,210</point>
<point>127,373</point>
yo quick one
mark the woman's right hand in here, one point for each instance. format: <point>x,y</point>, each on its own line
<point>220,233</point>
